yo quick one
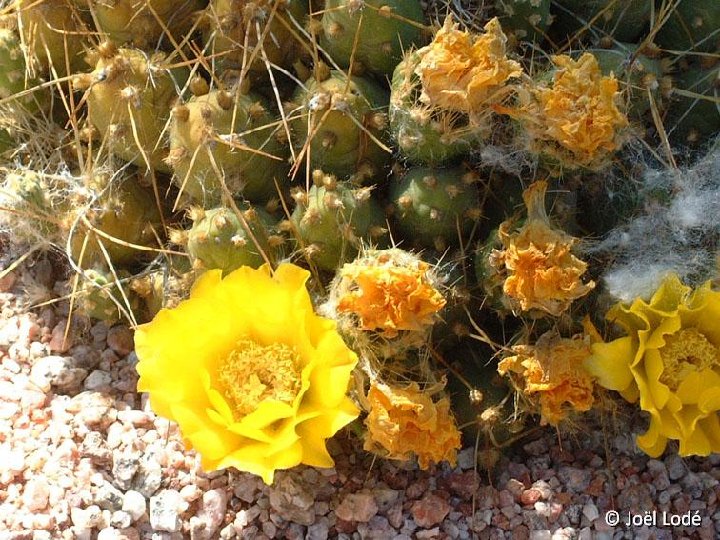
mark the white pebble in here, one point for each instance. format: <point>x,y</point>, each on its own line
<point>164,511</point>
<point>212,510</point>
<point>121,519</point>
<point>134,504</point>
<point>35,496</point>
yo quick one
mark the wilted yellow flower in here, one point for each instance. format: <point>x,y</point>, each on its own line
<point>388,290</point>
<point>406,421</point>
<point>463,72</point>
<point>552,372</point>
<point>670,361</point>
<point>542,273</point>
<point>576,121</point>
<point>254,378</point>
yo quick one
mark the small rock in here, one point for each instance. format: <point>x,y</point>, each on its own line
<point>120,340</point>
<point>98,380</point>
<point>357,507</point>
<point>675,467</point>
<point>53,371</point>
<point>590,511</point>
<point>464,484</point>
<point>93,408</point>
<point>87,518</point>
<point>59,342</point>
<point>319,530</point>
<point>165,510</point>
<point>124,468</point>
<point>212,512</point>
<point>94,447</point>
<point>134,504</point>
<point>149,476</point>
<point>576,480</point>
<point>35,496</point>
<point>109,497</point>
<point>293,500</point>
<point>121,519</point>
<point>430,510</point>
<point>429,533</point>
<point>530,496</point>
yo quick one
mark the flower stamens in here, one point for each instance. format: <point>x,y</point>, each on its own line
<point>685,352</point>
<point>253,373</point>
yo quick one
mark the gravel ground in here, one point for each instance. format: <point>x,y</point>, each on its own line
<point>82,456</point>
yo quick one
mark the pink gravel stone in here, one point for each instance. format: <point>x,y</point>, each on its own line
<point>430,510</point>
<point>357,507</point>
<point>120,340</point>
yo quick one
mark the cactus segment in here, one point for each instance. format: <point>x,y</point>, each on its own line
<point>622,20</point>
<point>524,20</point>
<point>220,239</point>
<point>143,23</point>
<point>248,34</point>
<point>229,136</point>
<point>125,212</point>
<point>334,219</point>
<point>129,100</point>
<point>435,208</point>
<point>427,135</point>
<point>346,119</point>
<point>373,33</point>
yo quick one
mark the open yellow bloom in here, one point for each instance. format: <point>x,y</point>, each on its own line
<point>552,372</point>
<point>542,273</point>
<point>466,73</point>
<point>576,121</point>
<point>253,377</point>
<point>670,361</point>
<point>406,421</point>
<point>388,290</point>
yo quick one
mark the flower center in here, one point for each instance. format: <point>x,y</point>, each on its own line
<point>253,373</point>
<point>684,352</point>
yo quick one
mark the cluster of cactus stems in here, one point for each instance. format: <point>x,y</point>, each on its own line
<point>440,170</point>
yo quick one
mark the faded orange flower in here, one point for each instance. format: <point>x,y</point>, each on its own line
<point>389,291</point>
<point>551,374</point>
<point>542,273</point>
<point>576,121</point>
<point>464,72</point>
<point>406,421</point>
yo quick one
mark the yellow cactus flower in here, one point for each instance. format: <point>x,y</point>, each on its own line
<point>463,72</point>
<point>406,421</point>
<point>253,377</point>
<point>542,273</point>
<point>670,361</point>
<point>576,122</point>
<point>551,373</point>
<point>388,291</point>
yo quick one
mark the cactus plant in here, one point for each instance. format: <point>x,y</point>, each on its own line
<point>231,137</point>
<point>426,134</point>
<point>333,219</point>
<point>129,97</point>
<point>343,128</point>
<point>435,207</point>
<point>373,33</point>
<point>220,238</point>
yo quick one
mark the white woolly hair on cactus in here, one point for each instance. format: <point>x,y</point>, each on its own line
<point>681,236</point>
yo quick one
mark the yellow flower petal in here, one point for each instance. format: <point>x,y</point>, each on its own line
<point>237,367</point>
<point>609,365</point>
<point>673,357</point>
